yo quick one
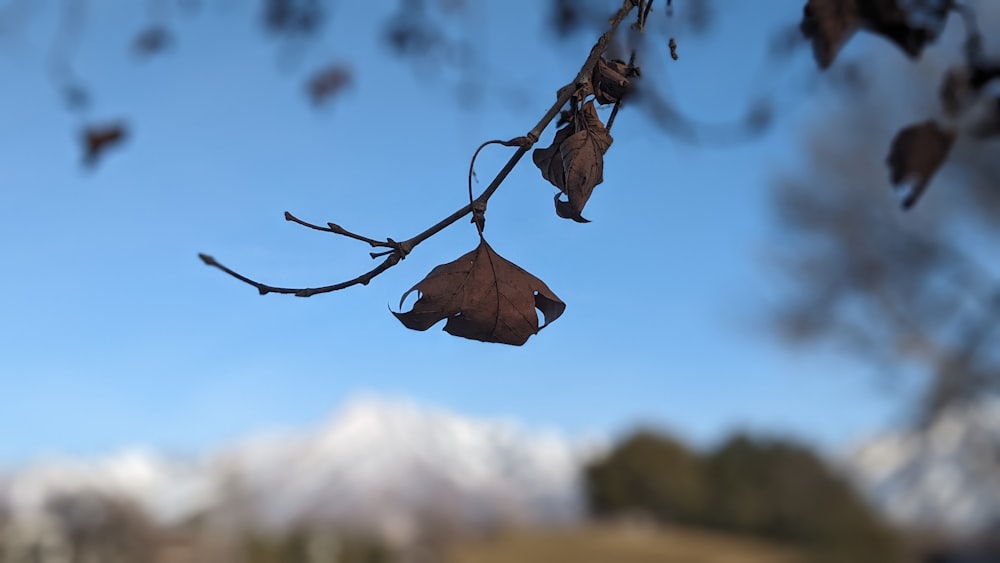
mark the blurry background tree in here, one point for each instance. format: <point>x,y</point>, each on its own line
<point>767,488</point>
<point>650,474</point>
<point>918,293</point>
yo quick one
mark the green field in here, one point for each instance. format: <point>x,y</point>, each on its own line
<point>621,544</point>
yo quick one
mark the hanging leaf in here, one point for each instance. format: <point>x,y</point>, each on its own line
<point>549,161</point>
<point>917,152</point>
<point>610,80</point>
<point>574,162</point>
<point>484,297</point>
<point>99,138</point>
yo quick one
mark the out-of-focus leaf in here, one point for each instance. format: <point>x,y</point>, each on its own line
<point>916,154</point>
<point>910,24</point>
<point>829,24</point>
<point>293,17</point>
<point>329,82</point>
<point>97,139</point>
<point>151,41</point>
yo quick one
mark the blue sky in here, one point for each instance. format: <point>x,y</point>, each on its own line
<point>114,334</point>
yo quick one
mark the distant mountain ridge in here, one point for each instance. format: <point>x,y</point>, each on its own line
<point>395,468</point>
<point>385,466</point>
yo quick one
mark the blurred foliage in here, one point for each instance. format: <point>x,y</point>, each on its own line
<point>766,488</point>
<point>784,491</point>
<point>633,478</point>
<point>914,294</point>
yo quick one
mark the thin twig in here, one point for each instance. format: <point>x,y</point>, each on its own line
<point>399,250</point>
<point>264,289</point>
<point>618,102</point>
<point>645,15</point>
<point>337,230</point>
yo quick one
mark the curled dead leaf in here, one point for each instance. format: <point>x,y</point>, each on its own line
<point>610,80</point>
<point>574,162</point>
<point>483,297</point>
<point>917,152</point>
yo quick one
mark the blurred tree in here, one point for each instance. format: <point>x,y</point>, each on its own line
<point>917,291</point>
<point>651,473</point>
<point>783,491</point>
<point>766,488</point>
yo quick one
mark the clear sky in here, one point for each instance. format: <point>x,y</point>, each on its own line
<point>114,334</point>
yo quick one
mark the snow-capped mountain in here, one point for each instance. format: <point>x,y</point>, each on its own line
<point>947,476</point>
<point>390,467</point>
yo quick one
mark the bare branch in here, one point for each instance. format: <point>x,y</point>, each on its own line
<point>337,230</point>
<point>398,250</point>
<point>390,261</point>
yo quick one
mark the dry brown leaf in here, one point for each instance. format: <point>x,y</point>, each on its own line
<point>610,80</point>
<point>917,152</point>
<point>484,297</point>
<point>549,161</point>
<point>574,162</point>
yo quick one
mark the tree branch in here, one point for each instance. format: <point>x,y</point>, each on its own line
<point>399,250</point>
